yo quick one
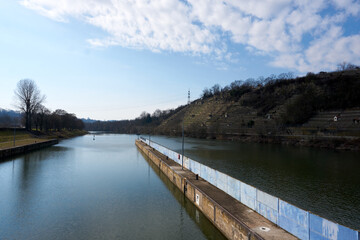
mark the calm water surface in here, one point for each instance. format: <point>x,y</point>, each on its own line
<point>102,189</point>
<point>324,182</point>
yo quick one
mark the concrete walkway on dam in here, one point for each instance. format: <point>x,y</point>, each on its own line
<point>231,217</point>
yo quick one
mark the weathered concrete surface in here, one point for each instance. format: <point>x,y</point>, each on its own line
<point>5,153</point>
<point>232,218</point>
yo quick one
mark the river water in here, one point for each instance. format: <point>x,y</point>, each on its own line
<point>324,182</point>
<point>94,189</point>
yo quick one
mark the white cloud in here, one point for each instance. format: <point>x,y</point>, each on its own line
<point>323,53</point>
<point>350,6</point>
<point>155,25</point>
<point>202,27</point>
<point>262,9</point>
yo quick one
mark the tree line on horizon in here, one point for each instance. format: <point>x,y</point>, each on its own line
<point>34,115</point>
<point>239,87</point>
<point>310,93</point>
<point>138,125</point>
<point>314,92</point>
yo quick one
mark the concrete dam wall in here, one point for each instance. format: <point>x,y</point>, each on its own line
<point>260,215</point>
<point>232,218</point>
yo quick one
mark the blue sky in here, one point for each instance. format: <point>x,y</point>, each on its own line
<point>112,59</point>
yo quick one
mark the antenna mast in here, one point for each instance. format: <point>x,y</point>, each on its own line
<point>189,96</point>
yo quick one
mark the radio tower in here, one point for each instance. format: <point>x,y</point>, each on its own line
<point>189,96</point>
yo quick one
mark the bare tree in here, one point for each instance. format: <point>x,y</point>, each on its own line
<point>216,89</point>
<point>39,116</point>
<point>144,115</point>
<point>285,76</point>
<point>344,66</point>
<point>157,113</point>
<point>236,84</point>
<point>28,98</point>
<point>206,93</point>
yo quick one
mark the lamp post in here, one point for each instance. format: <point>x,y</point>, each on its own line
<point>15,123</point>
<point>14,133</point>
<point>182,155</point>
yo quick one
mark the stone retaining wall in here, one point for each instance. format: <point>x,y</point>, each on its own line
<point>5,153</point>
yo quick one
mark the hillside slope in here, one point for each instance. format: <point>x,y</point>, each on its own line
<point>282,111</point>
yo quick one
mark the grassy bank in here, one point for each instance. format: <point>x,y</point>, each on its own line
<point>63,134</point>
<point>23,137</point>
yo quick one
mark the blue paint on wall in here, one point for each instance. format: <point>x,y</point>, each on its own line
<point>293,220</point>
<point>204,172</point>
<point>211,176</point>
<point>267,212</point>
<point>267,205</point>
<point>323,229</point>
<point>191,165</point>
<point>197,168</point>
<point>234,188</point>
<point>221,181</point>
<point>248,195</point>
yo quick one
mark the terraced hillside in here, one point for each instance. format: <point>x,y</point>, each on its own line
<point>346,123</point>
<point>218,118</point>
<point>276,109</point>
<point>302,107</point>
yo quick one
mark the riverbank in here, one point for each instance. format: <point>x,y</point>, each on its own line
<point>17,137</point>
<point>18,141</point>
<point>7,134</point>
<point>9,152</point>
<point>63,134</point>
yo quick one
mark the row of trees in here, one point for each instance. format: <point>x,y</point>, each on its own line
<point>144,123</point>
<point>45,120</point>
<point>313,92</point>
<point>239,87</point>
<point>157,116</point>
<point>310,93</point>
<point>345,66</point>
<point>35,114</point>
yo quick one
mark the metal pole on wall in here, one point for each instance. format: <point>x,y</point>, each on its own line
<point>182,155</point>
<point>14,134</point>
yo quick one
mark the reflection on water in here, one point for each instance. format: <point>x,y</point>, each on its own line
<point>91,189</point>
<point>199,218</point>
<point>321,181</point>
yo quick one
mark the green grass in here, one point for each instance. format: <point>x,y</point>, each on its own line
<point>63,134</point>
<point>8,135</point>
<point>21,142</point>
<point>23,137</point>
